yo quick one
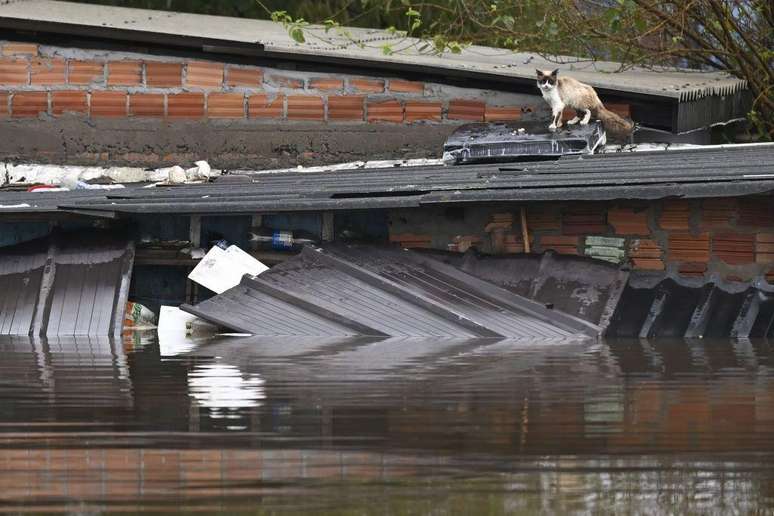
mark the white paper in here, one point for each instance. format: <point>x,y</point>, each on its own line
<point>221,270</point>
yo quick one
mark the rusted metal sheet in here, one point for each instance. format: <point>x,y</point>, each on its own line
<point>376,291</point>
<point>65,285</point>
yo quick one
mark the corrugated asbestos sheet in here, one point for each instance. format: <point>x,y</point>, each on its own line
<point>373,291</point>
<point>66,285</point>
<point>705,172</point>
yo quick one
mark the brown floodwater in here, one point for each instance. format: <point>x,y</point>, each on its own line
<point>91,426</point>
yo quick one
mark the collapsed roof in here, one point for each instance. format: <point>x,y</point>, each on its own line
<point>365,291</point>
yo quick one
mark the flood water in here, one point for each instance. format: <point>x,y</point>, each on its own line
<point>386,427</point>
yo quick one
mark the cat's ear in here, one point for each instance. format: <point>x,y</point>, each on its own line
<point>555,73</point>
<point>539,72</point>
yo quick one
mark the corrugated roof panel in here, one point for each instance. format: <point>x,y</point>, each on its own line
<point>381,292</point>
<point>67,285</point>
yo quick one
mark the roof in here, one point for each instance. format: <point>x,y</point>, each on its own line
<point>380,292</point>
<point>266,38</point>
<point>722,171</point>
<point>65,285</point>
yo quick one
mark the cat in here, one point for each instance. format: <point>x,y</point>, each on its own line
<point>568,92</point>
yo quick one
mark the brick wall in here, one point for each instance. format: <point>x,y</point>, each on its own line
<point>730,237</point>
<point>40,80</point>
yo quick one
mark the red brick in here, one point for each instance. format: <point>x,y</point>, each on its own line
<point>718,212</point>
<point>764,248</point>
<point>14,71</point>
<point>645,248</point>
<point>20,49</point>
<point>305,107</point>
<point>202,74</point>
<point>108,103</point>
<point>282,81</point>
<point>124,73</point>
<point>346,107</point>
<point>500,113</point>
<point>416,111</point>
<point>185,105</point>
<point>367,85</point>
<point>675,214</point>
<point>146,105</point>
<point>29,103</point>
<point>244,77</point>
<point>466,110</point>
<point>226,105</point>
<point>734,248</point>
<point>85,72</point>
<point>684,247</point>
<point>5,99</point>
<point>692,269</point>
<point>562,244</point>
<point>758,212</point>
<point>584,220</point>
<point>47,71</point>
<point>398,86</point>
<point>262,106</point>
<point>541,217</point>
<point>69,102</point>
<point>648,264</point>
<point>163,75</point>
<point>385,111</point>
<point>326,84</point>
<point>646,254</point>
<point>628,221</point>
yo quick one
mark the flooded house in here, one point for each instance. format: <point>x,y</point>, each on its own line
<point>134,141</point>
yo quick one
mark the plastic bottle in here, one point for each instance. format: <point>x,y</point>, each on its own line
<point>280,239</point>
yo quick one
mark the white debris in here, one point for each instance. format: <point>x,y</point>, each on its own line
<point>176,175</point>
<point>173,334</point>
<point>11,206</point>
<point>351,165</point>
<point>221,269</point>
<point>69,176</point>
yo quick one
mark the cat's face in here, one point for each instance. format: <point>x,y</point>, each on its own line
<point>546,80</point>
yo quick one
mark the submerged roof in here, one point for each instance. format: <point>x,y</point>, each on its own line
<point>379,292</point>
<point>266,38</point>
<point>65,285</point>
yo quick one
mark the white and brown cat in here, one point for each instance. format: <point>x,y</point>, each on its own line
<point>567,92</point>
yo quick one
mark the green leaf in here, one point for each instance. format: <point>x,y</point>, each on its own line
<point>387,50</point>
<point>416,24</point>
<point>297,33</point>
<point>412,13</point>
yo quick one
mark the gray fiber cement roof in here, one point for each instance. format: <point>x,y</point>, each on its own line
<point>691,173</point>
<point>261,37</point>
<point>367,291</point>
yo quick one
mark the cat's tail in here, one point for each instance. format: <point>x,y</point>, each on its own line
<point>616,126</point>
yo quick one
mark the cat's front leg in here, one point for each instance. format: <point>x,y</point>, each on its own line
<point>586,117</point>
<point>557,120</point>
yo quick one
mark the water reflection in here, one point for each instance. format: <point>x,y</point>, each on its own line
<point>387,425</point>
